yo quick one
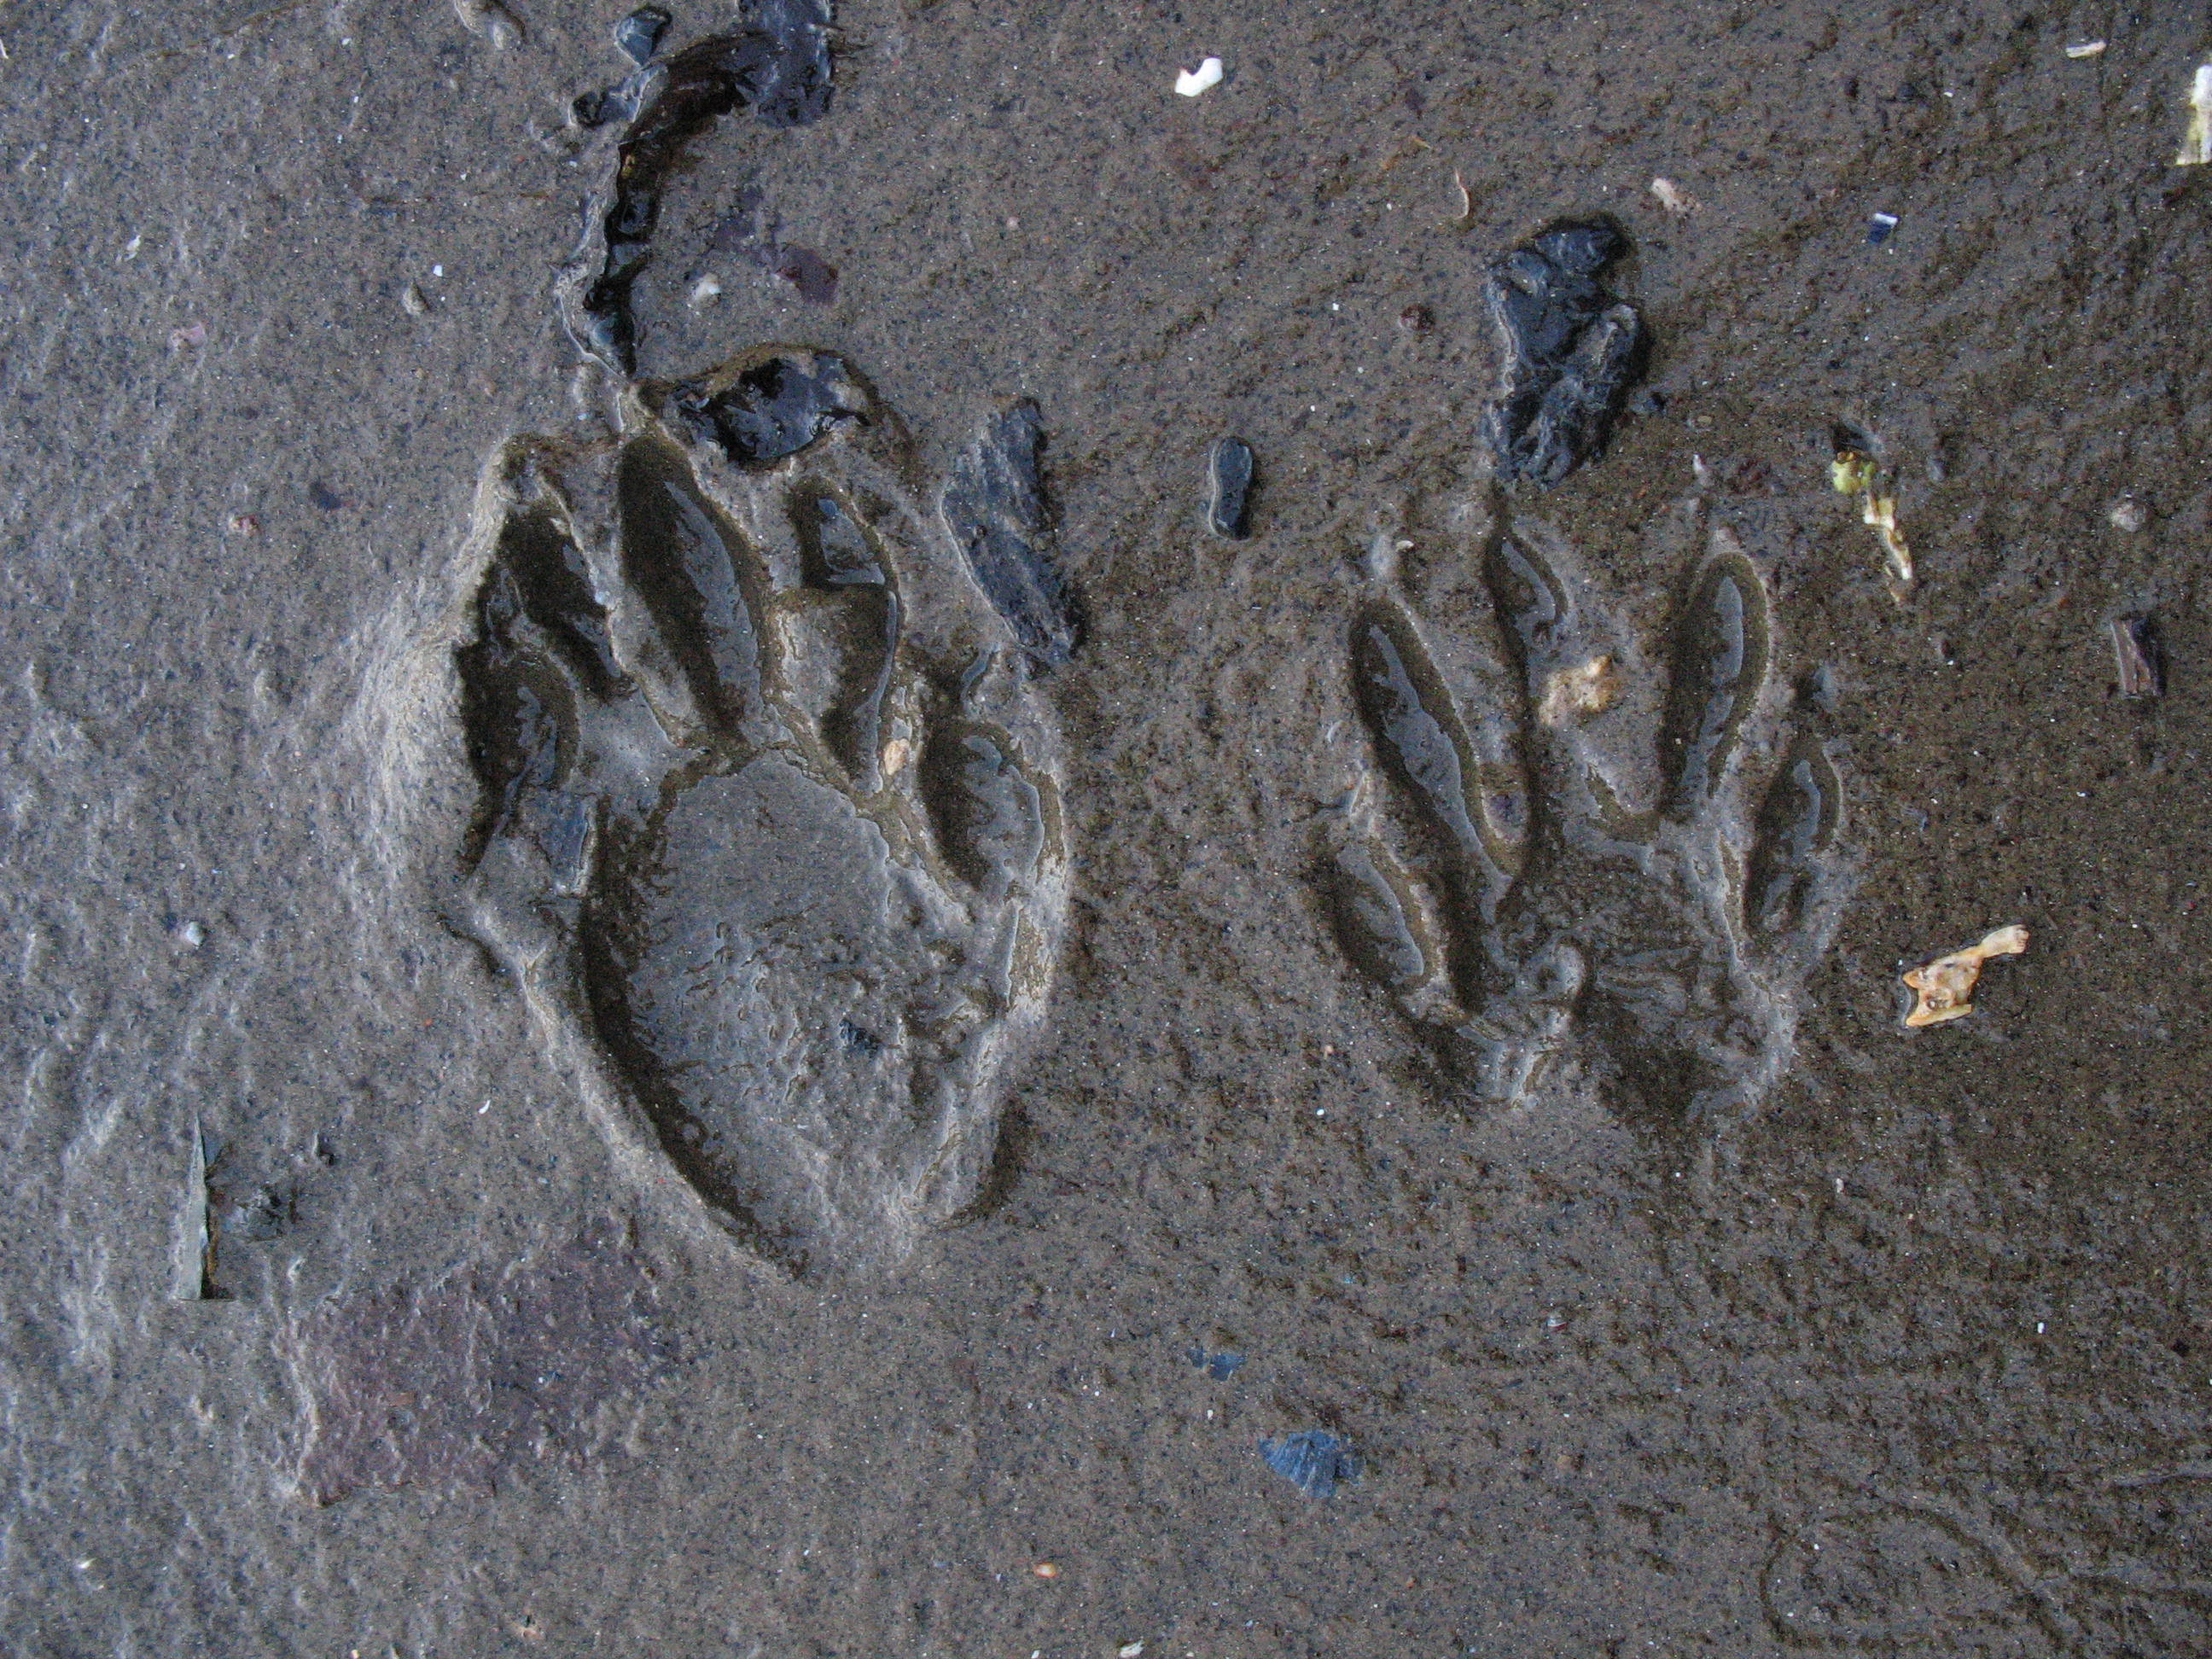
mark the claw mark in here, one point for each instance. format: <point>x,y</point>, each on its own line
<point>1797,826</point>
<point>1380,920</point>
<point>1720,665</point>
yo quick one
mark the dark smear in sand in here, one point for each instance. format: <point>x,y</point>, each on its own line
<point>1572,352</point>
<point>994,506</point>
<point>780,67</point>
<point>751,230</point>
<point>444,1385</point>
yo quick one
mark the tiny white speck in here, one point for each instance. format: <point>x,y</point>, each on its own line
<point>1191,83</point>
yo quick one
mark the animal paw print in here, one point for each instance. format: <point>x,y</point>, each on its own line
<point>769,829</point>
<point>1566,865</point>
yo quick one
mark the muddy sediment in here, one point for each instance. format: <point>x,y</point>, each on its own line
<point>1342,1087</point>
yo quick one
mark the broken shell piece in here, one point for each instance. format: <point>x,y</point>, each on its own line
<point>2087,49</point>
<point>1672,196</point>
<point>1942,990</point>
<point>2196,146</point>
<point>2135,647</point>
<point>490,21</point>
<point>2127,513</point>
<point>1191,83</point>
<point>1577,693</point>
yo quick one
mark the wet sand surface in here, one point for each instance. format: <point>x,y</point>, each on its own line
<point>339,1321</point>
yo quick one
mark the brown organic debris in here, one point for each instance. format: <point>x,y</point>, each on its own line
<point>1943,989</point>
<point>2135,650</point>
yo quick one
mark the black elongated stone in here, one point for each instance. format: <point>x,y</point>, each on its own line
<point>995,507</point>
<point>1229,489</point>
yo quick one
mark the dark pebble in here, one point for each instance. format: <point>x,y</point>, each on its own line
<point>1229,492</point>
<point>1219,1366</point>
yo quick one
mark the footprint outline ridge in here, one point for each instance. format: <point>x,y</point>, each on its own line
<point>769,828</point>
<point>1568,868</point>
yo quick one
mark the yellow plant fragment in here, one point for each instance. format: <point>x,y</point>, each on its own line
<point>1851,472</point>
<point>1943,990</point>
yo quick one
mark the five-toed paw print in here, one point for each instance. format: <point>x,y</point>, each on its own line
<point>1572,863</point>
<point>770,830</point>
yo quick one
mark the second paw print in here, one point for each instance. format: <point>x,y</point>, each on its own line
<point>1572,861</point>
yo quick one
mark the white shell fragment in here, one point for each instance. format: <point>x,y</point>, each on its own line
<point>2196,146</point>
<point>1944,990</point>
<point>1191,83</point>
<point>1576,694</point>
<point>1672,196</point>
<point>2087,49</point>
